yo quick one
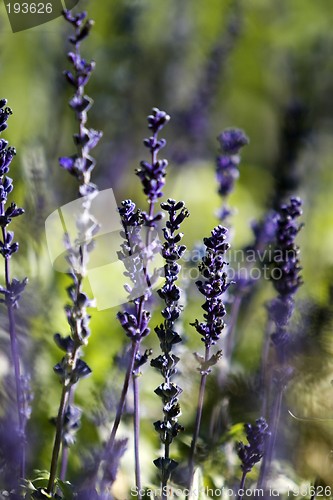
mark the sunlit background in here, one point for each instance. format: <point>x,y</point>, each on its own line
<point>265,67</point>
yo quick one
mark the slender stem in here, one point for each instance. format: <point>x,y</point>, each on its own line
<point>64,462</point>
<point>270,443</point>
<point>65,449</point>
<point>197,422</point>
<point>241,486</point>
<point>137,433</point>
<point>58,438</point>
<point>165,478</point>
<point>16,361</point>
<point>122,399</point>
<point>135,380</point>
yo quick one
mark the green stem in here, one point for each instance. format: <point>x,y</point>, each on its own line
<point>137,433</point>
<point>58,438</point>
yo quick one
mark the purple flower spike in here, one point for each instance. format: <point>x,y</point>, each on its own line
<point>213,285</point>
<point>227,171</point>
<point>252,453</point>
<point>152,174</point>
<point>13,288</point>
<point>287,274</point>
<point>232,140</point>
<point>81,165</point>
<point>287,251</point>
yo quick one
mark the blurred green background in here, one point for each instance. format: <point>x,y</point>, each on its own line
<point>262,66</point>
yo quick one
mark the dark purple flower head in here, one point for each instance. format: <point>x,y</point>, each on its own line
<point>80,23</point>
<point>4,114</point>
<point>287,261</point>
<point>76,20</point>
<point>227,171</point>
<point>166,362</point>
<point>226,174</point>
<point>251,453</point>
<point>152,174</point>
<point>81,164</point>
<point>157,120</point>
<point>286,277</point>
<point>213,285</point>
<point>232,140</point>
<point>280,310</point>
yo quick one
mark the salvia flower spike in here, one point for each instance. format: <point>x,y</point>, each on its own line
<point>135,321</point>
<point>11,291</point>
<point>227,165</point>
<point>212,286</point>
<point>289,280</point>
<point>166,363</point>
<point>250,454</point>
<point>71,368</point>
<point>280,311</point>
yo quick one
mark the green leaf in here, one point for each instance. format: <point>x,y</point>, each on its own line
<point>66,488</point>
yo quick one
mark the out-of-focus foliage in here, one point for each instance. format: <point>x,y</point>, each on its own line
<point>263,66</point>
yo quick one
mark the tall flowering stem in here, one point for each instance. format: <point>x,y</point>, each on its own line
<point>80,165</point>
<point>212,286</point>
<point>135,320</point>
<point>280,311</point>
<point>227,165</point>
<point>227,173</point>
<point>166,363</point>
<point>252,453</point>
<point>13,288</point>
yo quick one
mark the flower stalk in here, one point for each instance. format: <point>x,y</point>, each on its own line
<point>80,165</point>
<point>212,285</point>
<point>135,320</point>
<point>166,363</point>
<point>13,288</point>
<point>280,311</point>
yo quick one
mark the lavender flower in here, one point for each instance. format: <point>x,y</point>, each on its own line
<point>250,454</point>
<point>81,164</point>
<point>168,428</point>
<point>281,308</point>
<point>5,112</point>
<point>152,174</point>
<point>12,288</point>
<point>213,285</point>
<point>71,368</point>
<point>280,311</point>
<point>135,319</point>
<point>231,141</point>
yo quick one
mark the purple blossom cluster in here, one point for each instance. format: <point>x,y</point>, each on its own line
<point>227,172</point>
<point>81,164</point>
<point>166,363</point>
<point>252,453</point>
<point>72,368</point>
<point>152,174</point>
<point>213,285</point>
<point>12,289</point>
<point>281,308</point>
